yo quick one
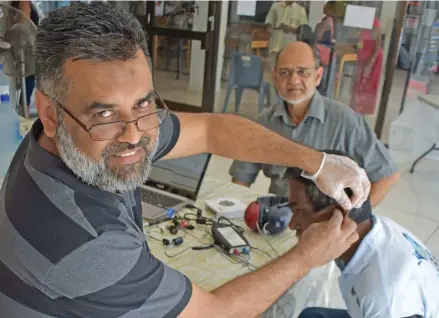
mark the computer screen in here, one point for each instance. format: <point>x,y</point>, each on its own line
<point>181,176</point>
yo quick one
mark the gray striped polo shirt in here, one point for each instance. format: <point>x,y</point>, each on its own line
<point>68,249</point>
<point>328,124</point>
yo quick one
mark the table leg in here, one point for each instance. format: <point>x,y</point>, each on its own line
<point>423,156</point>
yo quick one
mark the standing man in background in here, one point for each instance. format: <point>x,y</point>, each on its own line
<point>282,20</point>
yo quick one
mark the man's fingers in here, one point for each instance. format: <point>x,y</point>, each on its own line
<point>358,193</point>
<point>352,238</point>
<point>348,226</point>
<point>366,188</point>
<point>343,200</point>
<point>336,220</point>
<point>329,208</point>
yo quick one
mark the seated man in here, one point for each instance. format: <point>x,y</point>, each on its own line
<point>388,273</point>
<point>310,119</point>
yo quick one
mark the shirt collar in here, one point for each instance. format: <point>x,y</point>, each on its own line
<point>316,109</point>
<point>366,250</point>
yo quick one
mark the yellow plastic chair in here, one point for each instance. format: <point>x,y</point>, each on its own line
<point>351,57</point>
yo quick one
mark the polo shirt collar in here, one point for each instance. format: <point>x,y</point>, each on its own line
<point>316,109</point>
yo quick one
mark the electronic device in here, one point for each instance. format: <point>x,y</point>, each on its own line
<point>228,207</point>
<point>268,214</point>
<point>176,241</point>
<point>230,238</point>
<point>172,184</point>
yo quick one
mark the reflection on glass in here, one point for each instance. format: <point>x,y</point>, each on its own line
<point>426,51</point>
<point>367,70</point>
<point>176,14</point>
<point>178,70</point>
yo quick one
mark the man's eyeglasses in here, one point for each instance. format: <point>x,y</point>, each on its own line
<point>157,113</point>
<point>301,72</point>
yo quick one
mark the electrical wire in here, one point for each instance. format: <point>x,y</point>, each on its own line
<point>238,228</point>
<point>243,259</point>
<point>198,219</point>
<point>264,236</point>
<point>176,254</point>
<point>262,251</point>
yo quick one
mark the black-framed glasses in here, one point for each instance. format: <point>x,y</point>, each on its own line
<point>112,130</point>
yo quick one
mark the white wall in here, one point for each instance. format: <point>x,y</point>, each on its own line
<point>198,55</point>
<point>315,13</point>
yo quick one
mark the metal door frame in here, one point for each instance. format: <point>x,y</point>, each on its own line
<point>209,42</point>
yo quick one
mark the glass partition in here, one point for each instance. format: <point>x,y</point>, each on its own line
<point>424,50</point>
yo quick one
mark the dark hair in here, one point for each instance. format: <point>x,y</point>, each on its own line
<point>310,41</point>
<point>319,200</point>
<point>94,31</point>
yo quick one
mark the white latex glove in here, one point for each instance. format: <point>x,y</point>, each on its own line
<point>339,172</point>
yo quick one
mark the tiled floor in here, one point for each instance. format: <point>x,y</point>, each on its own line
<point>413,202</point>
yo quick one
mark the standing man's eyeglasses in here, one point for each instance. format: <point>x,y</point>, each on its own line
<point>158,111</point>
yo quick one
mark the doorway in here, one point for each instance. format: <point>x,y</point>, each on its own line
<point>183,43</point>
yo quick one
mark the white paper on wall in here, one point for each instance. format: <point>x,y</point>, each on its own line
<point>359,16</point>
<point>247,8</point>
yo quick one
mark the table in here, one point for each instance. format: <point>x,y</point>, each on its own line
<point>209,269</point>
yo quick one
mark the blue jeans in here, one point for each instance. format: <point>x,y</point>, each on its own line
<point>317,312</point>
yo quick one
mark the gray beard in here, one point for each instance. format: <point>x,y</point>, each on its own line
<point>300,100</point>
<point>96,173</point>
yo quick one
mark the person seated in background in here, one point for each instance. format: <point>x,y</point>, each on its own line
<point>387,273</point>
<point>306,34</point>
<point>303,115</point>
<point>325,28</point>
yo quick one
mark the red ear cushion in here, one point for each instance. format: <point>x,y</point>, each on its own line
<point>251,215</point>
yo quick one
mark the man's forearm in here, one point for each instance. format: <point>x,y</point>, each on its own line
<point>380,188</point>
<point>241,139</point>
<point>243,294</point>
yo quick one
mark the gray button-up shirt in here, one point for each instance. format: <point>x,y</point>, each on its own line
<point>327,125</point>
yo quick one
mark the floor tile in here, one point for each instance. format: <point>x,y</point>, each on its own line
<point>401,198</point>
<point>421,227</point>
<point>428,206</point>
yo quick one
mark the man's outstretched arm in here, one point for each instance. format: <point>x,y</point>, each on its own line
<point>250,295</point>
<point>241,139</point>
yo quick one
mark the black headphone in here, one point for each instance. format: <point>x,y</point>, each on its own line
<point>268,214</point>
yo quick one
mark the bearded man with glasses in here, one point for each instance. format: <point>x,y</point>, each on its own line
<point>304,116</point>
<point>71,238</point>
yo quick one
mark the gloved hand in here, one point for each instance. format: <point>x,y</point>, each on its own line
<point>338,173</point>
